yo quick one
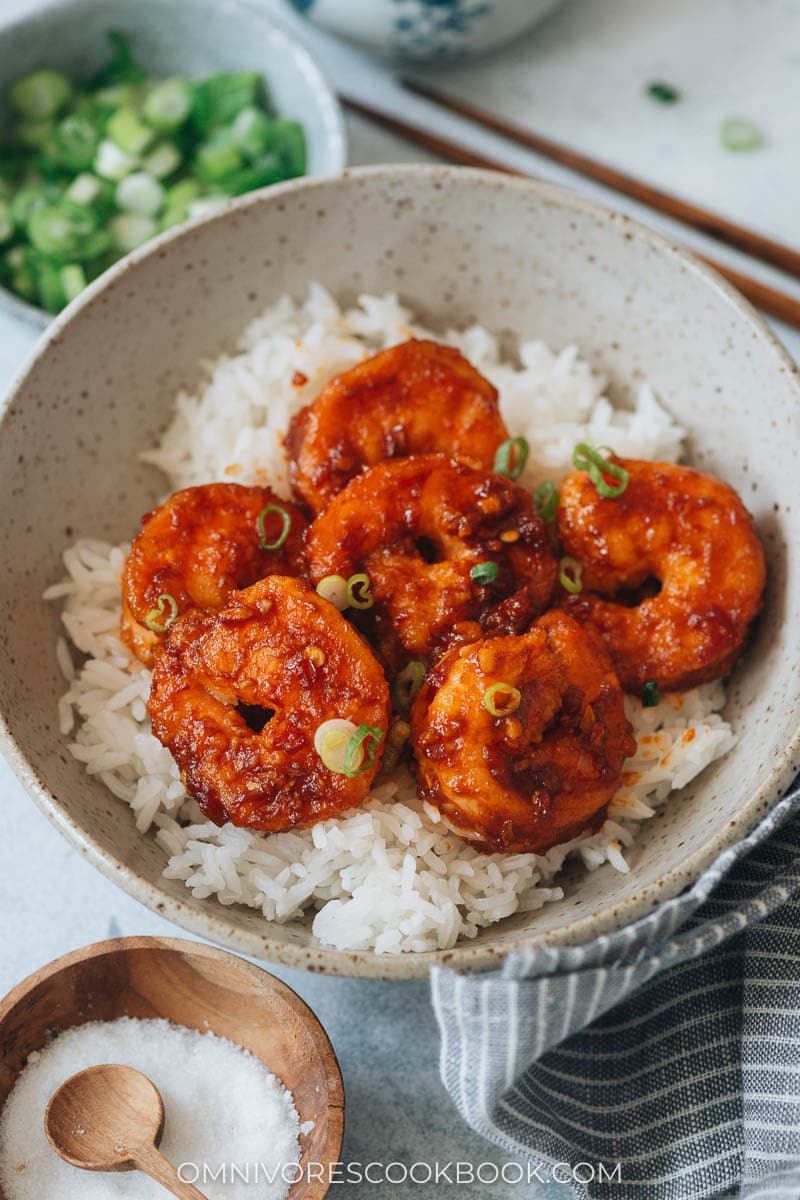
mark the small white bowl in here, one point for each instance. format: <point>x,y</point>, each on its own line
<point>427,30</point>
<point>182,37</point>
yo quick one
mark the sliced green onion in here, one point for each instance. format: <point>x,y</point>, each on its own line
<point>651,694</point>
<point>484,572</point>
<point>545,500</point>
<point>284,533</point>
<point>252,131</point>
<point>49,287</point>
<point>396,741</point>
<point>511,457</point>
<point>570,575</point>
<point>74,142</point>
<point>84,189</point>
<point>358,593</point>
<point>346,748</point>
<point>156,619</point>
<point>219,99</point>
<point>331,740</point>
<point>130,230</point>
<point>168,104</point>
<point>6,222</point>
<point>163,160</point>
<point>40,94</point>
<point>501,699</point>
<point>139,193</point>
<point>73,280</point>
<point>217,158</point>
<point>59,229</point>
<point>111,162</point>
<point>361,750</point>
<point>664,93</point>
<point>587,458</point>
<point>129,133</point>
<point>289,139</point>
<point>333,588</point>
<point>737,133</point>
<point>405,686</point>
<point>34,134</point>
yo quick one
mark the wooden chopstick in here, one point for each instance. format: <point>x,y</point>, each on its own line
<point>712,224</point>
<point>778,304</point>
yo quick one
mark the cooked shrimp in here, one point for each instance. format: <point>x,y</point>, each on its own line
<point>675,529</point>
<point>199,546</point>
<point>416,398</point>
<point>520,741</point>
<point>239,697</point>
<point>450,552</point>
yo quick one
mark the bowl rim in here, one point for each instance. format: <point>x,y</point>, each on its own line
<point>316,80</point>
<point>265,980</point>
<point>466,956</point>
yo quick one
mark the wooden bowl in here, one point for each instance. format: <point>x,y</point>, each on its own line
<point>200,988</point>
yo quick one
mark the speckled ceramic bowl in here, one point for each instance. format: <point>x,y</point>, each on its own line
<point>459,246</point>
<point>181,37</point>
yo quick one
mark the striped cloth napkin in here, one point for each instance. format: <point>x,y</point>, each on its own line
<point>668,1052</point>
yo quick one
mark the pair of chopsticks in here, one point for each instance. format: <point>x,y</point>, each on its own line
<point>776,303</point>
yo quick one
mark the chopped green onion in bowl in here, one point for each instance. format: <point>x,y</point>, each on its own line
<point>92,168</point>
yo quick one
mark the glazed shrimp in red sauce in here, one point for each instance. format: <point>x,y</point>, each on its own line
<point>520,741</point>
<point>241,696</point>
<point>688,535</point>
<point>198,547</point>
<point>450,551</point>
<point>416,398</point>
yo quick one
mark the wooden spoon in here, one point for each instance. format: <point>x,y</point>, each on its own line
<point>111,1118</point>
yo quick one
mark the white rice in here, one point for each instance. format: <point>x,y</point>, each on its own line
<point>389,876</point>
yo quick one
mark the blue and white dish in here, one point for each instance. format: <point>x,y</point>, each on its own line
<point>427,30</point>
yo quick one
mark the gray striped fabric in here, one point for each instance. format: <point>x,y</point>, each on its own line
<point>671,1048</point>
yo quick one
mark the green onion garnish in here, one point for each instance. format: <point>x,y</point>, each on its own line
<point>110,159</point>
<point>586,458</point>
<point>405,686</point>
<point>287,524</point>
<point>545,500</point>
<point>156,620</point>
<point>331,741</point>
<point>361,750</point>
<point>664,93</point>
<point>501,699</point>
<point>737,133</point>
<point>651,694</point>
<point>333,588</point>
<point>357,592</point>
<point>396,739</point>
<point>484,572</point>
<point>570,575</point>
<point>511,457</point>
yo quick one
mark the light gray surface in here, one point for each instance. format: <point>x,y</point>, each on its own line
<point>51,901</point>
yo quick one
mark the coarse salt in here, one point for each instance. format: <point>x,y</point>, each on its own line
<point>230,1124</point>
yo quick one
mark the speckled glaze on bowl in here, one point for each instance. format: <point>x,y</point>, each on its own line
<point>522,258</point>
<point>181,37</point>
